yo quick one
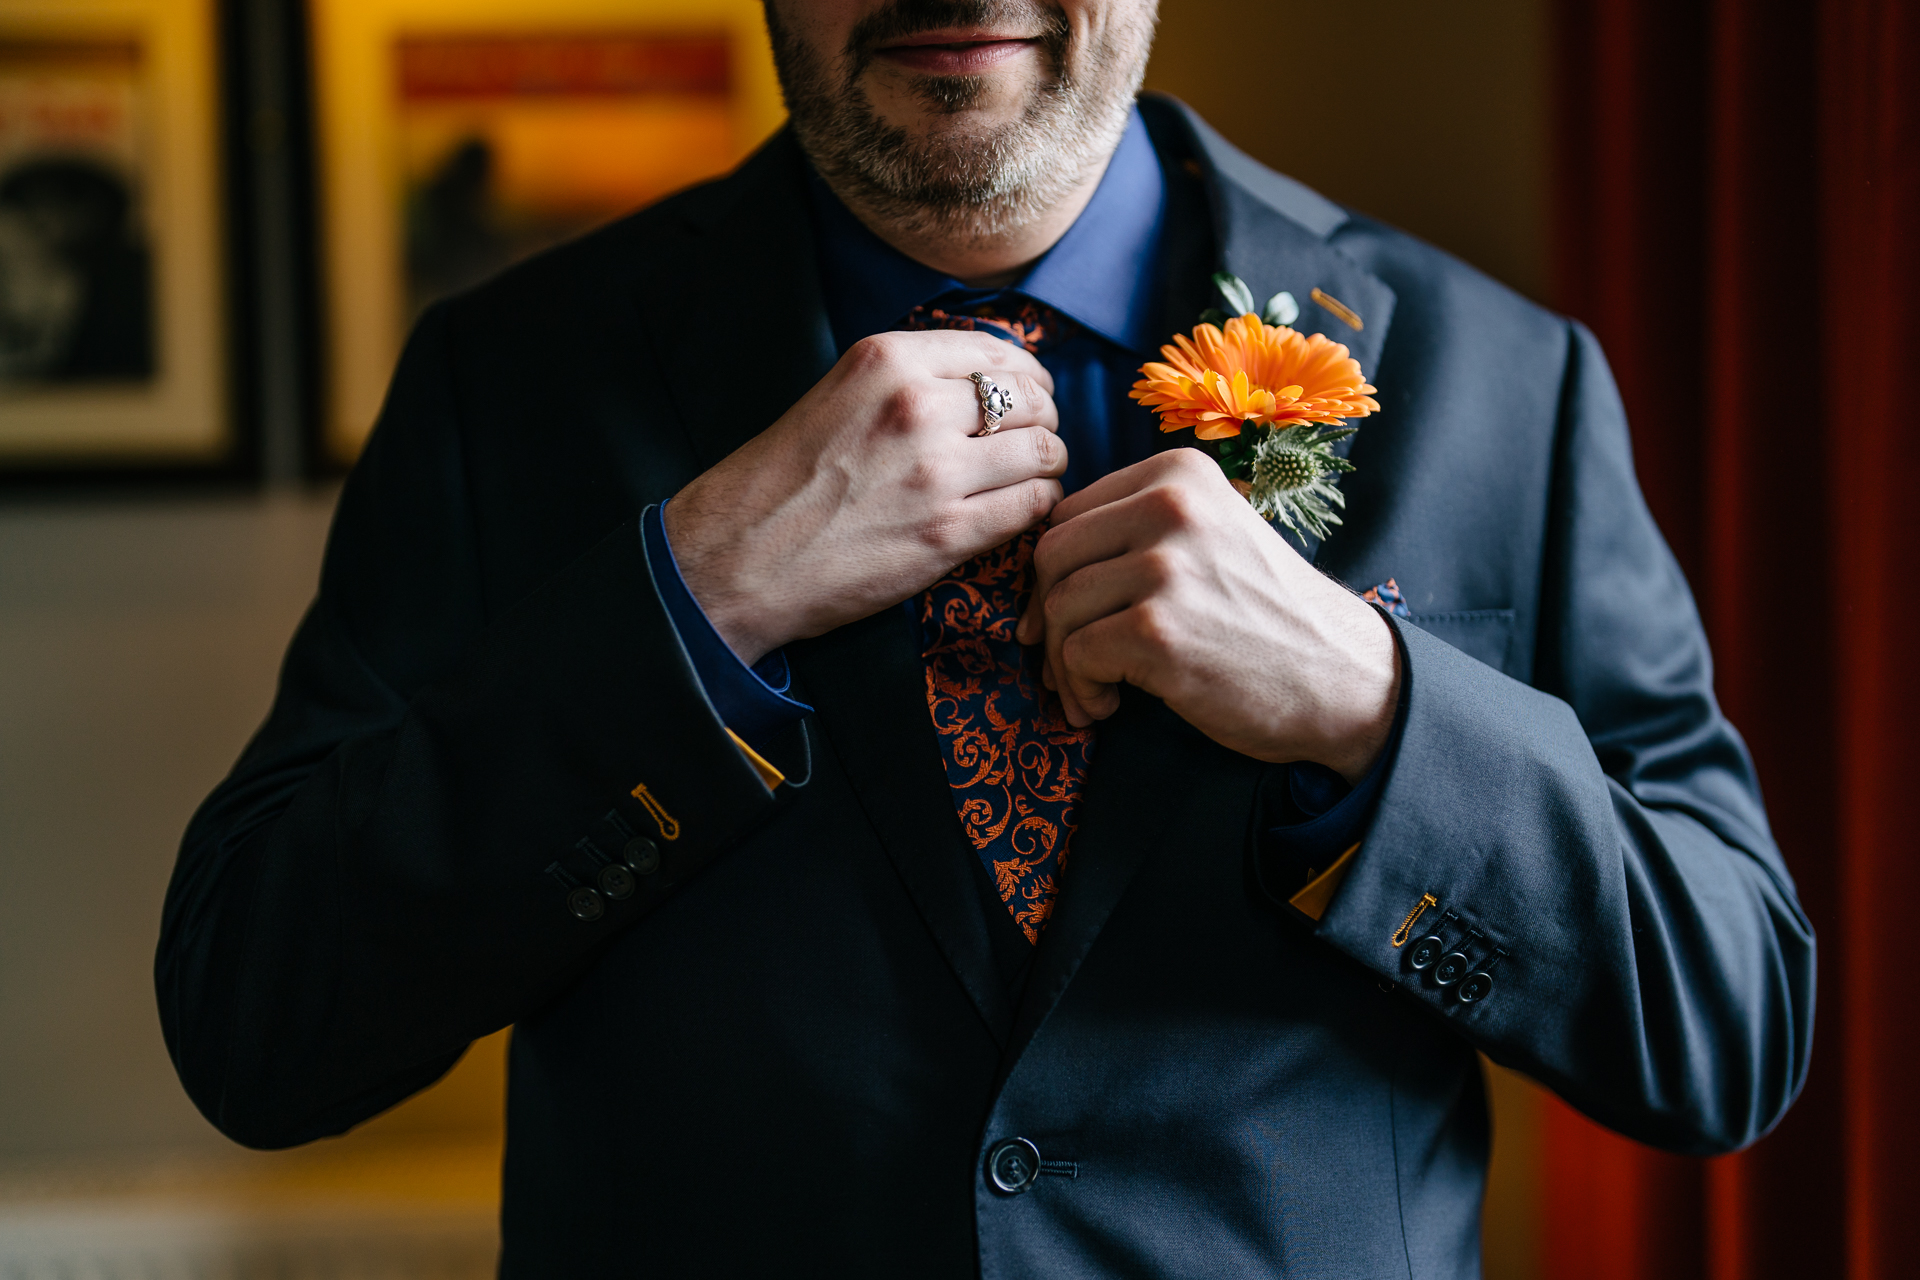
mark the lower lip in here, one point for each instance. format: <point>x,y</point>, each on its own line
<point>954,60</point>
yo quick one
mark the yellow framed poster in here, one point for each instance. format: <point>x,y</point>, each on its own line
<point>458,136</point>
<point>112,297</point>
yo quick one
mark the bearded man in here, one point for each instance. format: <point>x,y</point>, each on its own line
<point>917,817</point>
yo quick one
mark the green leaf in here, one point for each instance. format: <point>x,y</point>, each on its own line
<point>1235,454</point>
<point>1281,309</point>
<point>1213,315</point>
<point>1234,290</point>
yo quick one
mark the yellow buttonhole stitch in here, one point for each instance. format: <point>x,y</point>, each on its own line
<point>669,828</point>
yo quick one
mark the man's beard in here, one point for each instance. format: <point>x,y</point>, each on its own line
<point>966,184</point>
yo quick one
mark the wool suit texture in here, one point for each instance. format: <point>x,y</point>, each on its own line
<point>791,1048</point>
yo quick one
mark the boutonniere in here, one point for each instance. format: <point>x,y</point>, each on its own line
<point>1271,401</point>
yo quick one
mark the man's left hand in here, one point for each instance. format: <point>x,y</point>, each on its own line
<point>1163,576</point>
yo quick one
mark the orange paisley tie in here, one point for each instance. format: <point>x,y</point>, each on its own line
<point>1016,767</point>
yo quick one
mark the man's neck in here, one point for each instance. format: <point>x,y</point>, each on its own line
<point>980,262</point>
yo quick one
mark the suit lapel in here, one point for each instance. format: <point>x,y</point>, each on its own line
<point>1160,794</point>
<point>1271,233</point>
<point>1272,252</point>
<point>1115,833</point>
<point>870,687</point>
<point>742,326</point>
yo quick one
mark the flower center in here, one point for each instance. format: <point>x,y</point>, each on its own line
<point>1285,469</point>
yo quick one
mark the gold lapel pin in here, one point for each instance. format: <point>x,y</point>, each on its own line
<point>1344,313</point>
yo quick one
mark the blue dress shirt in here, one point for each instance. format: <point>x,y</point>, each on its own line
<point>1106,275</point>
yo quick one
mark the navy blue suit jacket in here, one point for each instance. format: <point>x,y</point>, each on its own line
<point>791,1048</point>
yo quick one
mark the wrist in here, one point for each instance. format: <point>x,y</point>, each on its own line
<point>708,567</point>
<point>1361,720</point>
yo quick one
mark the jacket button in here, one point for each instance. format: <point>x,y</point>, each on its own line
<point>643,855</point>
<point>586,904</point>
<point>616,882</point>
<point>1013,1164</point>
<point>1452,967</point>
<point>1426,951</point>
<point>1477,986</point>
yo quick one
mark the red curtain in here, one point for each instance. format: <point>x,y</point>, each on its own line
<point>1737,204</point>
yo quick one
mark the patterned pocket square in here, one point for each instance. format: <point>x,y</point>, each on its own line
<point>1387,596</point>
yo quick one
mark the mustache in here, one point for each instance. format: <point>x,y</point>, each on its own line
<point>903,18</point>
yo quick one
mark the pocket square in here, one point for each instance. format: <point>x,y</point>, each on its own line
<point>1387,596</point>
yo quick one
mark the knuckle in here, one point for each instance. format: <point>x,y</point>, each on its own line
<point>1072,650</point>
<point>1046,448</point>
<point>997,352</point>
<point>922,475</point>
<point>872,354</point>
<point>906,407</point>
<point>1045,496</point>
<point>944,531</point>
<point>1189,463</point>
<point>1157,566</point>
<point>1150,626</point>
<point>1172,506</point>
<point>1032,395</point>
<point>1046,556</point>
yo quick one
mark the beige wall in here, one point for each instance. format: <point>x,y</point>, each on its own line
<point>1430,116</point>
<point>138,645</point>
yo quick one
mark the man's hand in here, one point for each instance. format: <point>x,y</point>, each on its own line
<point>1162,576</point>
<point>868,489</point>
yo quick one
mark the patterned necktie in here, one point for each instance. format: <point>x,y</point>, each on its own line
<point>1014,763</point>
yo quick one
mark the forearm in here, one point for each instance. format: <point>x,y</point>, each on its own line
<point>1657,970</point>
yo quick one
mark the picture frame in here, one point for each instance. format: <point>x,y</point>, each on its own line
<point>456,136</point>
<point>114,303</point>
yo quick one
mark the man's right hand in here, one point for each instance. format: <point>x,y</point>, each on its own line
<point>868,489</point>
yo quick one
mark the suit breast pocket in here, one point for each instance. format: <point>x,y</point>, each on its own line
<point>1486,634</point>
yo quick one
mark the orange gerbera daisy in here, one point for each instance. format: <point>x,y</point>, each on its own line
<point>1252,372</point>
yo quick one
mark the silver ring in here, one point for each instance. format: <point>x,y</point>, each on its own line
<point>996,402</point>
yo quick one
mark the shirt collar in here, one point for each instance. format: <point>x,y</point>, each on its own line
<point>1104,272</point>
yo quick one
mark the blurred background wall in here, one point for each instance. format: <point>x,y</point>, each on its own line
<point>144,602</point>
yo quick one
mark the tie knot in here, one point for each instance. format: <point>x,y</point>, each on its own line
<point>1033,325</point>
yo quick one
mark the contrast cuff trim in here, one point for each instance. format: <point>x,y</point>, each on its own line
<point>771,776</point>
<point>752,701</point>
<point>1313,900</point>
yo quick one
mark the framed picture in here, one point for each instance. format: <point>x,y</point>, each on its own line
<point>458,136</point>
<point>112,301</point>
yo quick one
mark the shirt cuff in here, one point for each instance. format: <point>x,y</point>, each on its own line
<point>1318,817</point>
<point>752,701</point>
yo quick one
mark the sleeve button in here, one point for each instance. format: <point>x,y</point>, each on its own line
<point>616,882</point>
<point>1426,951</point>
<point>1477,986</point>
<point>1452,967</point>
<point>586,904</point>
<point>643,855</point>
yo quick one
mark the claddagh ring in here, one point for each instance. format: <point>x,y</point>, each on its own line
<point>996,402</point>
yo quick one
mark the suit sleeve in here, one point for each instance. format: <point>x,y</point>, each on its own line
<point>1595,848</point>
<point>449,810</point>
